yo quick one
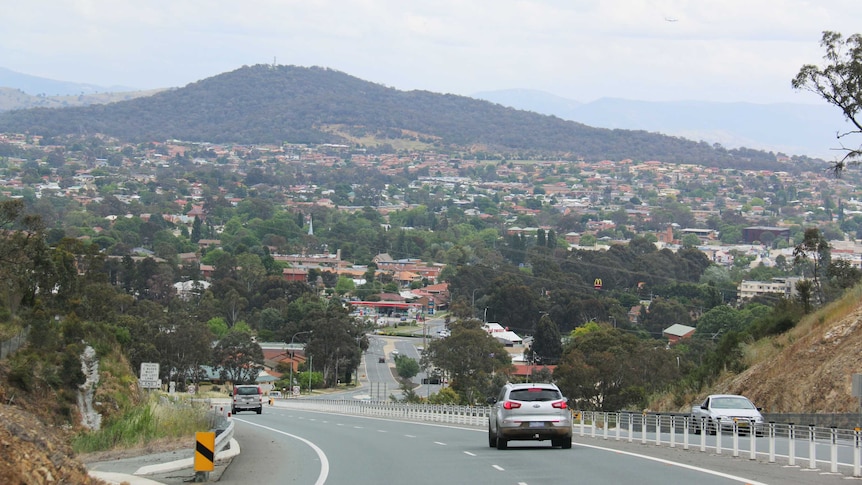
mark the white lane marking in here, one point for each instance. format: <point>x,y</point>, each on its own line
<point>468,453</point>
<point>677,464</point>
<point>498,467</point>
<point>381,431</point>
<point>409,435</point>
<point>485,431</point>
<point>357,427</point>
<point>439,443</point>
<point>522,483</point>
<point>324,462</point>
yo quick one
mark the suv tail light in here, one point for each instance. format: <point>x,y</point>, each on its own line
<point>559,404</point>
<point>511,405</point>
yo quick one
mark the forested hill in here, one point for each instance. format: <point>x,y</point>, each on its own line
<point>275,104</point>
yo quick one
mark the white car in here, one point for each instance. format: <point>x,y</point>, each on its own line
<point>723,411</point>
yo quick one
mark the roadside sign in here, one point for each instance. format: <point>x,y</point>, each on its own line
<point>150,375</point>
<point>204,451</point>
<point>149,371</point>
<point>150,384</point>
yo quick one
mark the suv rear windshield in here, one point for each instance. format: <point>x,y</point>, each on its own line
<point>535,394</point>
<point>246,391</point>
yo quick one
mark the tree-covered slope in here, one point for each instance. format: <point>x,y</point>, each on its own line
<point>275,104</point>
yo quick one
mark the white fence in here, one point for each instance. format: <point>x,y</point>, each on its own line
<point>435,413</point>
<point>839,450</point>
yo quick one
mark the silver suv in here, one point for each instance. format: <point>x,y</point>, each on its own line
<point>530,412</point>
<point>246,398</point>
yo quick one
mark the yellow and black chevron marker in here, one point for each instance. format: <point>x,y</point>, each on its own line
<point>205,451</point>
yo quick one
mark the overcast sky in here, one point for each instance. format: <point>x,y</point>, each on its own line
<point>660,50</point>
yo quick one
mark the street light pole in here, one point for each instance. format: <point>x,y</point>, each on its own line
<point>310,366</point>
<point>291,356</point>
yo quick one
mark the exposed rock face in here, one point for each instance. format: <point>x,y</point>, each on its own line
<point>31,453</point>
<point>811,374</point>
<point>90,418</point>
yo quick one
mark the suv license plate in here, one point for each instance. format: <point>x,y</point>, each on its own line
<point>537,424</point>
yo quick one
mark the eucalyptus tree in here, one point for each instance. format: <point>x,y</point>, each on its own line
<point>839,82</point>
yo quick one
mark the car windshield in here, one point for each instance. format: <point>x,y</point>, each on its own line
<point>246,391</point>
<point>535,394</point>
<point>731,403</point>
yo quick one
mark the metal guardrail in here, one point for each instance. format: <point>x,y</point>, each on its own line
<point>223,426</point>
<point>796,445</point>
<point>435,413</point>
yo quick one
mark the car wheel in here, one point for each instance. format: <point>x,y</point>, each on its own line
<point>492,438</point>
<point>567,443</point>
<point>695,426</point>
<point>260,410</point>
<point>233,410</point>
<point>502,443</point>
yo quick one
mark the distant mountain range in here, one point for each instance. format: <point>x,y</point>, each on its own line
<point>789,128</point>
<point>277,104</point>
<point>40,86</point>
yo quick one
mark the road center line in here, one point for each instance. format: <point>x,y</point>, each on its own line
<point>498,467</point>
<point>468,453</point>
<point>439,443</point>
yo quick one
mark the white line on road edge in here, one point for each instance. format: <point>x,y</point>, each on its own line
<point>324,462</point>
<point>676,464</point>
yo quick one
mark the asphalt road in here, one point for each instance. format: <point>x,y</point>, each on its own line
<point>301,447</point>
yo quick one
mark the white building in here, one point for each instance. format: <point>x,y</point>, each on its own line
<point>503,335</point>
<point>785,287</point>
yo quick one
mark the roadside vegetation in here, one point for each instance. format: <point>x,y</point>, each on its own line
<point>157,419</point>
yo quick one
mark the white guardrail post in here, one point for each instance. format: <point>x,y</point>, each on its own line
<point>718,436</point>
<point>833,465</point>
<point>752,437</point>
<point>673,431</point>
<point>771,442</point>
<point>857,448</point>
<point>812,448</point>
<point>791,445</point>
<point>735,431</point>
<point>643,428</point>
<point>631,427</point>
<point>686,432</point>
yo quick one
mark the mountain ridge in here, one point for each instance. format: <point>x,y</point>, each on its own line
<point>41,86</point>
<point>792,128</point>
<point>278,104</point>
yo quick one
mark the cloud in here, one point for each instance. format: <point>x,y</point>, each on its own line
<point>730,50</point>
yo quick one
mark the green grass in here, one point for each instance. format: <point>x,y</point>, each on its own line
<point>144,424</point>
